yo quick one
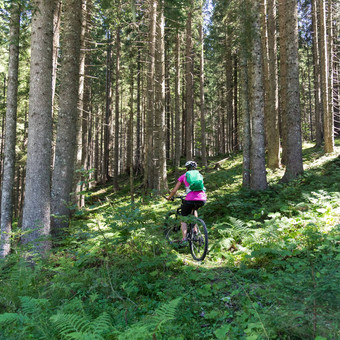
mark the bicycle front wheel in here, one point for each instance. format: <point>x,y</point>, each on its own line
<point>198,240</point>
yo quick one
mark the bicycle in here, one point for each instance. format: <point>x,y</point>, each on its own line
<point>197,234</point>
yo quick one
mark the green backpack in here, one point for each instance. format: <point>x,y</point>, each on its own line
<point>195,180</point>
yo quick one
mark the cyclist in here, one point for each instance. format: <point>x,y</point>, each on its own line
<point>193,199</point>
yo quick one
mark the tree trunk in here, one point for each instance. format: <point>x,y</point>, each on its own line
<point>273,133</point>
<point>202,100</point>
<point>117,98</point>
<point>258,180</point>
<point>131,139</point>
<point>236,146</point>
<point>189,86</point>
<point>56,40</point>
<point>327,74</point>
<point>149,163</point>
<point>10,141</point>
<point>178,147</point>
<point>228,95</point>
<point>66,145</point>
<point>316,63</point>
<point>139,118</point>
<point>107,120</point>
<point>160,178</point>
<point>283,80</point>
<point>294,165</point>
<point>82,107</point>
<point>246,120</point>
<point>36,213</point>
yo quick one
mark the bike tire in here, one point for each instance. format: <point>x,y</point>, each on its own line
<point>172,228</point>
<point>198,242</point>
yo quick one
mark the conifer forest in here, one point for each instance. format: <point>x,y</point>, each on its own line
<point>102,102</point>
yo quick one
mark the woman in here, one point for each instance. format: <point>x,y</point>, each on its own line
<point>194,198</point>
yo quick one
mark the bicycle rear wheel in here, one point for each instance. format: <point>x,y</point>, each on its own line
<point>198,240</point>
<point>172,228</point>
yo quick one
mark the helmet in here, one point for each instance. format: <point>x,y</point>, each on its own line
<point>190,165</point>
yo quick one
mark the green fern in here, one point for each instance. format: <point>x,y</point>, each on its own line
<point>7,319</point>
<point>31,305</point>
<point>165,313</point>
<point>147,327</point>
<point>73,326</point>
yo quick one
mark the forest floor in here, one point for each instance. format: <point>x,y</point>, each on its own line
<point>272,270</point>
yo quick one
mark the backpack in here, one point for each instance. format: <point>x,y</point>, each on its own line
<point>195,180</point>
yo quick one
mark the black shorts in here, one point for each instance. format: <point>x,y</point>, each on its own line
<point>188,206</point>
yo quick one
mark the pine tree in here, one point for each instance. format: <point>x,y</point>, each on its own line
<point>10,141</point>
<point>36,212</point>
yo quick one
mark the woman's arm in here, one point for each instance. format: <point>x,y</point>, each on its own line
<point>174,190</point>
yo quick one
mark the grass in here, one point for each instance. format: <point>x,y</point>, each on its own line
<point>271,271</point>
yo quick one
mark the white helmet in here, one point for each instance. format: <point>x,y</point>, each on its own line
<point>191,165</point>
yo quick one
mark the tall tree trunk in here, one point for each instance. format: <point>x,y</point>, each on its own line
<point>258,180</point>
<point>160,177</point>
<point>36,213</point>
<point>202,100</point>
<point>139,118</point>
<point>327,74</point>
<point>56,40</point>
<point>283,80</point>
<point>66,145</point>
<point>316,63</point>
<point>107,120</point>
<point>131,139</point>
<point>294,165</point>
<point>272,128</point>
<point>178,147</point>
<point>235,104</point>
<point>83,115</point>
<point>117,101</point>
<point>189,77</point>
<point>229,94</point>
<point>246,119</point>
<point>10,141</point>
<point>149,163</point>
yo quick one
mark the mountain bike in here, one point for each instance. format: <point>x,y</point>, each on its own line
<point>197,234</point>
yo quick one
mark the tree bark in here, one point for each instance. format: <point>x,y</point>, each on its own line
<point>227,142</point>
<point>66,146</point>
<point>82,107</point>
<point>56,40</point>
<point>149,162</point>
<point>258,179</point>
<point>36,213</point>
<point>178,147</point>
<point>160,178</point>
<point>10,139</point>
<point>202,100</point>
<point>294,165</point>
<point>107,120</point>
<point>326,75</point>
<point>189,77</point>
<point>316,63</point>
<point>117,99</point>
<point>273,133</point>
<point>246,119</point>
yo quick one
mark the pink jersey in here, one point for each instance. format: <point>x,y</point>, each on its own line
<point>192,195</point>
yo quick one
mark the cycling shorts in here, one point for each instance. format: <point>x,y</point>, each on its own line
<point>188,206</point>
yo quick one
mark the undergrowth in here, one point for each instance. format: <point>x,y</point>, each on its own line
<point>271,271</point>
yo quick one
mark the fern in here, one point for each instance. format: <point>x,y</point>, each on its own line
<point>147,327</point>
<point>7,319</point>
<point>165,313</point>
<point>73,326</point>
<point>31,305</point>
